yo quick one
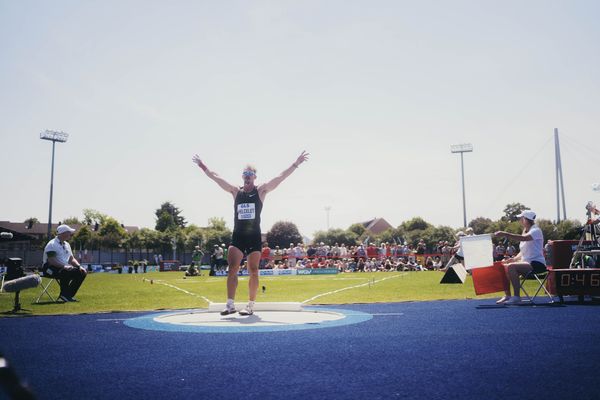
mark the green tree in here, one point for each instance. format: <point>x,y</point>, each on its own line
<point>480,225</point>
<point>414,224</point>
<point>512,210</point>
<point>91,217</point>
<point>357,229</point>
<point>164,222</point>
<point>134,240</point>
<point>507,226</point>
<point>71,221</point>
<point>548,228</point>
<point>31,220</point>
<point>149,239</point>
<point>334,236</point>
<point>84,237</point>
<point>569,229</point>
<point>217,223</point>
<point>194,236</point>
<point>433,235</point>
<point>283,233</point>
<point>112,234</point>
<point>214,237</point>
<point>413,230</point>
<point>389,236</point>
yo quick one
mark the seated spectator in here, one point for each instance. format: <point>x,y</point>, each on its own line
<point>192,270</point>
<point>429,262</point>
<point>421,247</point>
<point>360,265</point>
<point>437,263</point>
<point>351,266</point>
<point>400,265</point>
<point>265,255</point>
<point>58,262</point>
<point>411,264</point>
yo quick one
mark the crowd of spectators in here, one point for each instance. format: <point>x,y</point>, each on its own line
<point>358,258</point>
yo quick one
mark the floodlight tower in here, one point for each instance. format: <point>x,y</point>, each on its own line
<point>53,136</point>
<point>462,148</point>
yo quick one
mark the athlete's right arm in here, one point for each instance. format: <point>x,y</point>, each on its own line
<point>228,187</point>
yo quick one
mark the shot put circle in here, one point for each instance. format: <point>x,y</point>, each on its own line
<point>202,321</point>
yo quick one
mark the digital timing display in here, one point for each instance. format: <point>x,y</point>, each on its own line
<point>577,281</point>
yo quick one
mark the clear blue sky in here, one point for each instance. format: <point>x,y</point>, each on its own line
<point>376,91</point>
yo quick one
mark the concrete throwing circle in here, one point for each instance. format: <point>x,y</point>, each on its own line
<point>260,321</point>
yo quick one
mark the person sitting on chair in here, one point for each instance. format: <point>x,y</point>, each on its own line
<point>530,257</point>
<point>60,264</point>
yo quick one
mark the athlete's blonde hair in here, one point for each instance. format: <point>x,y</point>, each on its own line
<point>250,167</point>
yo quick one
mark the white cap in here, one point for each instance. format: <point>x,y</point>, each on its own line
<point>527,214</point>
<point>64,228</point>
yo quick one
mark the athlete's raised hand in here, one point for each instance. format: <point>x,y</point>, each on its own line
<point>196,159</point>
<point>302,158</point>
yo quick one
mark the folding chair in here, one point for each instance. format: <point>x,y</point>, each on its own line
<point>540,277</point>
<point>46,287</point>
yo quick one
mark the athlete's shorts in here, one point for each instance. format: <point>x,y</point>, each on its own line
<point>247,243</point>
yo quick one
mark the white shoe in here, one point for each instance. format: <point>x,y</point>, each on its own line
<point>513,301</point>
<point>228,310</point>
<point>247,311</point>
<point>503,300</point>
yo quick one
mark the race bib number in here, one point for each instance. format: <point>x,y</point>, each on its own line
<point>246,211</point>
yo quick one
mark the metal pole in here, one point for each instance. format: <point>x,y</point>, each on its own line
<point>556,167</point>
<point>462,148</point>
<point>462,170</point>
<point>562,181</point>
<point>51,190</point>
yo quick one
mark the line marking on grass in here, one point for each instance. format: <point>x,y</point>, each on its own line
<point>160,282</point>
<point>369,283</point>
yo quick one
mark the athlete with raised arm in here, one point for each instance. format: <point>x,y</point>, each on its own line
<point>246,238</point>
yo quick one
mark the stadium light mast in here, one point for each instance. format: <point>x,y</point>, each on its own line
<point>53,136</point>
<point>462,148</point>
<point>327,210</point>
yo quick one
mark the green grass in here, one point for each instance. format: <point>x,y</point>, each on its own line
<point>124,292</point>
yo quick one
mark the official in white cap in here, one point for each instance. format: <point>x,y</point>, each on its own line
<point>530,256</point>
<point>60,264</point>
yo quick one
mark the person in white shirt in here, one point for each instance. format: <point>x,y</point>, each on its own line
<point>530,257</point>
<point>59,263</point>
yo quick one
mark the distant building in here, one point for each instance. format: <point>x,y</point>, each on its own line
<point>377,226</point>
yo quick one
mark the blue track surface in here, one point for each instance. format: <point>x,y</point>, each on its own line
<point>433,350</point>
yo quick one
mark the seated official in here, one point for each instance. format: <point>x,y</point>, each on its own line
<point>60,264</point>
<point>192,270</point>
<point>530,257</point>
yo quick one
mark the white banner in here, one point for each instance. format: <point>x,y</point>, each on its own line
<point>478,251</point>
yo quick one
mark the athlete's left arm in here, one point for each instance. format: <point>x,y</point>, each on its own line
<point>273,183</point>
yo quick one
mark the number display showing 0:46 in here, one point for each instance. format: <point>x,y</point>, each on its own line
<point>579,280</point>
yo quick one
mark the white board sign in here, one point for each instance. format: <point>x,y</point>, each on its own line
<point>478,251</point>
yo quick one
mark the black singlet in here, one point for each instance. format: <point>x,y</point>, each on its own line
<point>247,209</point>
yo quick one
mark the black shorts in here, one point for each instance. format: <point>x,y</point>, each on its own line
<point>538,267</point>
<point>247,243</point>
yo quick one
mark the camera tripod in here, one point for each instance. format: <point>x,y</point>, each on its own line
<point>589,233</point>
